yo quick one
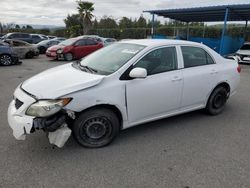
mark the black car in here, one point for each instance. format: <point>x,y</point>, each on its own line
<point>7,57</point>
<point>19,36</point>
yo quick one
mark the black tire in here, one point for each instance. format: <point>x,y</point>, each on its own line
<point>6,60</point>
<point>217,100</point>
<point>42,50</point>
<point>96,128</point>
<point>29,55</point>
<point>68,56</point>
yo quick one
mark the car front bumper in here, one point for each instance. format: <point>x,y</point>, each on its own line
<point>20,123</point>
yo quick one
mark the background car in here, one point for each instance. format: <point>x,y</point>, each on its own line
<point>23,49</point>
<point>19,36</point>
<point>7,56</point>
<point>244,53</point>
<point>108,41</point>
<point>36,38</point>
<point>74,48</point>
<point>45,44</point>
<point>59,38</point>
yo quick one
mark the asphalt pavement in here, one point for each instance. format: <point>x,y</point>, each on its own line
<point>186,151</point>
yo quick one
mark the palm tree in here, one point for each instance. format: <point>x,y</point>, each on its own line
<point>85,10</point>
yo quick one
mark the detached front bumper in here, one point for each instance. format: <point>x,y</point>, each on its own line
<point>20,123</point>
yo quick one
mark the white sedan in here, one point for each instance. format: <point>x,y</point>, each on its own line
<point>120,86</point>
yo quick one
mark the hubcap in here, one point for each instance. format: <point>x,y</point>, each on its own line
<point>5,60</point>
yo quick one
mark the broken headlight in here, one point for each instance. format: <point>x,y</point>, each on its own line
<point>44,108</point>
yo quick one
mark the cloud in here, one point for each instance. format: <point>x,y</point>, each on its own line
<point>53,12</point>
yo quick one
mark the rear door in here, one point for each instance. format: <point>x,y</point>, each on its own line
<point>200,75</point>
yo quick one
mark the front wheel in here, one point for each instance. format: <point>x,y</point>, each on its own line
<point>96,128</point>
<point>68,56</point>
<point>5,60</point>
<point>217,100</point>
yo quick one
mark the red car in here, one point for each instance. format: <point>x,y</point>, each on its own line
<point>74,48</point>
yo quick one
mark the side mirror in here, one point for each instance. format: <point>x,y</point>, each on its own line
<point>138,73</point>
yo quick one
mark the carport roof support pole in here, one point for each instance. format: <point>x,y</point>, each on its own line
<point>187,30</point>
<point>153,25</point>
<point>224,30</point>
<point>245,31</point>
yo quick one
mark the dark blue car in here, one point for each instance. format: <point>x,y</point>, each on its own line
<point>7,57</point>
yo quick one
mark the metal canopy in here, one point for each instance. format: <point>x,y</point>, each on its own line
<point>239,12</point>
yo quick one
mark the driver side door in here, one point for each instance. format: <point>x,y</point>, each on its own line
<point>159,94</point>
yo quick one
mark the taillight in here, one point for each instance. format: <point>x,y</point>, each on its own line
<point>239,69</point>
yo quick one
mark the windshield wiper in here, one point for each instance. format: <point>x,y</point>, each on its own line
<point>85,68</point>
<point>88,68</point>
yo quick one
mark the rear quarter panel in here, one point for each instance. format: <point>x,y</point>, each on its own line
<point>229,74</point>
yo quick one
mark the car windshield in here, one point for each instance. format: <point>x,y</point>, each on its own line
<point>109,59</point>
<point>245,47</point>
<point>68,42</point>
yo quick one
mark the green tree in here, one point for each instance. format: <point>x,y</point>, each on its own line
<point>125,23</point>
<point>73,24</point>
<point>85,10</point>
<point>29,27</point>
<point>141,22</point>
<point>107,22</point>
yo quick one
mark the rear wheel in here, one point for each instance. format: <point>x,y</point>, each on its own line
<point>5,60</point>
<point>68,56</point>
<point>96,128</point>
<point>217,100</point>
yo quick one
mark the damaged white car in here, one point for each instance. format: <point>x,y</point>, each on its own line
<point>123,85</point>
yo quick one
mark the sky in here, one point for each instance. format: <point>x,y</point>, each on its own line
<point>52,12</point>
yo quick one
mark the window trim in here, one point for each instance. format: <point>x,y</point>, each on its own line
<point>208,53</point>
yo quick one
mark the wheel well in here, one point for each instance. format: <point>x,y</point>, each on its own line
<point>225,85</point>
<point>107,106</point>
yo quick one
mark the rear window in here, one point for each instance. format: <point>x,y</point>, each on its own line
<point>245,47</point>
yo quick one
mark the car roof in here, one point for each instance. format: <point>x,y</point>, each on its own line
<point>16,40</point>
<point>156,42</point>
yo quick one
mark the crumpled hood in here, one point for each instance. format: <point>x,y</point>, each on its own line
<point>60,81</point>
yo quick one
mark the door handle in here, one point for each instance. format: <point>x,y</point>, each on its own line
<point>176,78</point>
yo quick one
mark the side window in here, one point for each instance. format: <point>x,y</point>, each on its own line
<point>90,42</point>
<point>160,60</point>
<point>80,43</point>
<point>34,37</point>
<point>194,56</point>
<point>54,42</point>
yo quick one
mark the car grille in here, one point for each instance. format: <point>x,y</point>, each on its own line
<point>18,103</point>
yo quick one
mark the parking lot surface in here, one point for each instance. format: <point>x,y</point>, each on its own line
<point>190,150</point>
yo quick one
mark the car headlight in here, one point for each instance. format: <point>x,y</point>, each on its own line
<point>59,51</point>
<point>44,108</point>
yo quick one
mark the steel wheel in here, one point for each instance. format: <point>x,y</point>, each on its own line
<point>96,127</point>
<point>5,60</point>
<point>217,101</point>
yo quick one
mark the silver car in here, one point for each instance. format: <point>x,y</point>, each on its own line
<point>22,48</point>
